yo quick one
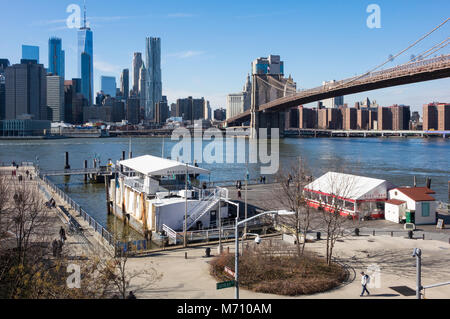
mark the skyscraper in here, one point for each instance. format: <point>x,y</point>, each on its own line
<point>154,84</point>
<point>26,91</point>
<point>30,52</point>
<point>137,64</point>
<point>142,86</point>
<point>86,59</point>
<point>86,77</point>
<point>4,63</point>
<point>125,83</point>
<point>56,57</point>
<point>55,98</point>
<point>109,85</point>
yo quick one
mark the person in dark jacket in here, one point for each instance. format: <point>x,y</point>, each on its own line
<point>62,234</point>
<point>131,295</point>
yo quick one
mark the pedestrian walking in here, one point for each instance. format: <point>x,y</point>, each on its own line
<point>239,194</point>
<point>365,279</point>
<point>55,247</point>
<point>264,179</point>
<point>62,234</point>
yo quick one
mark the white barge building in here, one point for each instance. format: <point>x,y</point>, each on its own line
<point>154,195</point>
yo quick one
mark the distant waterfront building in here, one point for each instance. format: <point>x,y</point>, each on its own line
<point>436,116</point>
<point>137,64</point>
<point>384,121</point>
<point>162,111</point>
<point>154,84</point>
<point>56,57</point>
<point>207,111</point>
<point>55,98</point>
<point>30,52</point>
<point>26,91</point>
<point>401,116</point>
<point>220,114</point>
<point>108,85</point>
<point>307,118</point>
<point>362,119</point>
<point>4,63</point>
<point>333,102</point>
<point>173,110</point>
<point>133,111</point>
<point>125,83</point>
<point>270,65</point>
<point>86,60</point>
<point>190,109</point>
<point>237,103</point>
<point>349,118</point>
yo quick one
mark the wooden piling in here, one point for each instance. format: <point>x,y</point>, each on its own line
<point>85,166</point>
<point>123,155</point>
<point>108,206</point>
<point>67,166</point>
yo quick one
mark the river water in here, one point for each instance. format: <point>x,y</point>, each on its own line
<point>393,159</point>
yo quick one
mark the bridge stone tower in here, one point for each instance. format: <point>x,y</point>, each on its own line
<point>266,88</point>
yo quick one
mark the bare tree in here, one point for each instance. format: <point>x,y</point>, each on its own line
<point>339,187</point>
<point>292,197</point>
<point>117,271</point>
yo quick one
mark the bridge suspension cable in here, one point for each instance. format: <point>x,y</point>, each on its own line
<point>398,54</point>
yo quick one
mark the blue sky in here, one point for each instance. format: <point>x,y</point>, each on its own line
<point>208,46</point>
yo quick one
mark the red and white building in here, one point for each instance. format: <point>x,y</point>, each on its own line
<point>359,195</point>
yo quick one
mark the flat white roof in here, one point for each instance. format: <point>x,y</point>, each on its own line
<point>350,186</point>
<point>153,166</point>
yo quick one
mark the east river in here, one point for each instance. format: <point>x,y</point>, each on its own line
<point>395,159</point>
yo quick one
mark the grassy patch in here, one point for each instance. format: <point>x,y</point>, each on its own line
<point>281,275</point>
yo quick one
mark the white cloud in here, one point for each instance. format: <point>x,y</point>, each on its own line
<point>104,66</point>
<point>186,54</point>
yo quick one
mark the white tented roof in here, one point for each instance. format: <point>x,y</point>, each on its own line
<point>350,186</point>
<point>153,165</point>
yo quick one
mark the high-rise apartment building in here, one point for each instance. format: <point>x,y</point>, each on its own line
<point>190,109</point>
<point>436,116</point>
<point>384,121</point>
<point>86,60</point>
<point>154,82</point>
<point>108,85</point>
<point>56,57</point>
<point>55,98</point>
<point>133,111</point>
<point>143,86</point>
<point>401,115</point>
<point>26,91</point>
<point>137,64</point>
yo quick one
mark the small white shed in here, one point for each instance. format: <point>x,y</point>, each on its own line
<point>419,201</point>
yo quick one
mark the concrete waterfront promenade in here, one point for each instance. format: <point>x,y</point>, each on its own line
<point>84,243</point>
<point>393,256</point>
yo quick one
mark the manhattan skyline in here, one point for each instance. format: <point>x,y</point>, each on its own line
<point>208,47</point>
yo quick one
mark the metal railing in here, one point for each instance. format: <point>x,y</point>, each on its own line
<point>82,213</point>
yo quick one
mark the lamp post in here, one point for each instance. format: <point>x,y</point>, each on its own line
<point>257,240</point>
<point>236,249</point>
<point>220,228</point>
<point>185,208</point>
<point>418,254</point>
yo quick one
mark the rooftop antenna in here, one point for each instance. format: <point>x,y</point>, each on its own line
<point>84,19</point>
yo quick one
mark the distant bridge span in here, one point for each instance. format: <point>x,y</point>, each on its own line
<point>425,70</point>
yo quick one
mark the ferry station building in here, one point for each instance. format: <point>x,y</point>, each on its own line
<point>362,197</point>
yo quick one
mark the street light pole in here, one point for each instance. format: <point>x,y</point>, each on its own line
<point>418,254</point>
<point>185,207</point>
<point>236,241</point>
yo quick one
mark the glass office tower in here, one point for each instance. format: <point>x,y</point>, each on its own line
<point>30,52</point>
<point>56,57</point>
<point>85,53</point>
